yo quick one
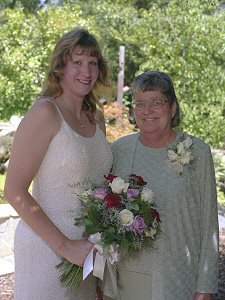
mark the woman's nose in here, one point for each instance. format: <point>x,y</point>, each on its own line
<point>86,70</point>
<point>148,108</point>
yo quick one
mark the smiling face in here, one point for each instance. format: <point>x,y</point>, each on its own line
<point>80,74</point>
<point>151,120</point>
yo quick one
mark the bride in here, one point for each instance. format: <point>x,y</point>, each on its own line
<point>59,143</point>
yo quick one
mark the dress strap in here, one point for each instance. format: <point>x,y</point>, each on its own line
<point>56,107</point>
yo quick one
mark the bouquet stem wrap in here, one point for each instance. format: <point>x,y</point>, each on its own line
<point>97,265</point>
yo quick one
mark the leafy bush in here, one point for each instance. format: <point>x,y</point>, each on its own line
<point>183,38</point>
<point>219,162</point>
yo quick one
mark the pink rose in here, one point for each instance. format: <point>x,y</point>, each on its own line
<point>99,193</point>
<point>138,225</point>
<point>132,193</point>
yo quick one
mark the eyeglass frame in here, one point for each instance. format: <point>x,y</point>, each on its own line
<point>144,102</point>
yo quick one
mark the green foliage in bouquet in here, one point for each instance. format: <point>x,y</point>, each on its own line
<point>71,275</point>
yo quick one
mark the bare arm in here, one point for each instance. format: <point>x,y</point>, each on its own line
<point>30,144</point>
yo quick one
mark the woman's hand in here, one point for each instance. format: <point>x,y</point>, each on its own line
<point>203,296</point>
<point>76,251</point>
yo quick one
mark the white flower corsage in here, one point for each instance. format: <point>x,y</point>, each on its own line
<point>180,154</point>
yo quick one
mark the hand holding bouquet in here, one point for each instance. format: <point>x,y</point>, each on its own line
<point>118,217</point>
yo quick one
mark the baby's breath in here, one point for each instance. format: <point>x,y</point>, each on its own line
<point>137,241</point>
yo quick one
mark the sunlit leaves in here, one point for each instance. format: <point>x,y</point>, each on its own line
<point>186,39</point>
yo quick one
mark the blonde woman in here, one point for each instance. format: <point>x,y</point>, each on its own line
<point>59,143</point>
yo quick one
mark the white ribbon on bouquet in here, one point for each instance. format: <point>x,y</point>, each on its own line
<point>98,265</point>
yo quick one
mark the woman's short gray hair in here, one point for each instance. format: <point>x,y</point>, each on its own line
<point>158,81</point>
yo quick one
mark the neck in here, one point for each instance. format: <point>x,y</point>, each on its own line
<point>72,111</point>
<point>157,140</point>
<point>72,106</point>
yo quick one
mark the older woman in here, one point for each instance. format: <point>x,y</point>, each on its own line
<point>178,167</point>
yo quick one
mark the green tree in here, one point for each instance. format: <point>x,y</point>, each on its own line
<point>186,40</point>
<point>27,41</point>
<point>17,83</point>
<point>27,5</point>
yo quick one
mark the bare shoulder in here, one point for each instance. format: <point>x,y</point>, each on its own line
<point>43,113</point>
<point>45,109</point>
<point>32,139</point>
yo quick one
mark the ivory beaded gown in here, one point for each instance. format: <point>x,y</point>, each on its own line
<point>70,159</point>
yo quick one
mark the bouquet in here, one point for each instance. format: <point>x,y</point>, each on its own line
<point>119,217</point>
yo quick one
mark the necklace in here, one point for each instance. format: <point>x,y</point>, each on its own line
<point>81,124</point>
<point>134,153</point>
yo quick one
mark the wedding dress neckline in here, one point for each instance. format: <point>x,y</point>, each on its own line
<point>68,126</point>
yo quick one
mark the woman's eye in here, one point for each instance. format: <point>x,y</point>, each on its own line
<point>157,102</point>
<point>139,104</point>
<point>76,62</point>
<point>93,63</point>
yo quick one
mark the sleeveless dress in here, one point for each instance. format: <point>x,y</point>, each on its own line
<point>70,162</point>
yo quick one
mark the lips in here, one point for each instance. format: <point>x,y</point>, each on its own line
<point>84,81</point>
<point>149,119</point>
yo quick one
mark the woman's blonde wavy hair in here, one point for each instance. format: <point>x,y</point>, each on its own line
<point>63,51</point>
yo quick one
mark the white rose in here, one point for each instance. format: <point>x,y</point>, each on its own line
<point>147,195</point>
<point>126,217</point>
<point>172,155</point>
<point>186,158</point>
<point>84,197</point>
<point>95,238</point>
<point>180,148</point>
<point>118,185</point>
<point>150,232</point>
<point>87,193</point>
<point>188,142</point>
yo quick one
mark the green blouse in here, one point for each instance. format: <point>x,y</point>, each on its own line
<point>184,259</point>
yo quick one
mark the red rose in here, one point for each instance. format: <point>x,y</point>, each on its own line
<point>110,177</point>
<point>156,215</point>
<point>113,201</point>
<point>137,180</point>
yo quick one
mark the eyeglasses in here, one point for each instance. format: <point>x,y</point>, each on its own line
<point>156,103</point>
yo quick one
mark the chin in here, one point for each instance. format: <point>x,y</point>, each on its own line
<point>148,129</point>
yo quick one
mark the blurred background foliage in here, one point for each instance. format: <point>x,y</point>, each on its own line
<point>184,38</point>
